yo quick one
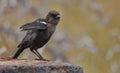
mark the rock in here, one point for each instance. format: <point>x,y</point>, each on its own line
<point>37,66</point>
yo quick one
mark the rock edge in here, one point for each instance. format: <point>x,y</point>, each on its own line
<point>37,66</point>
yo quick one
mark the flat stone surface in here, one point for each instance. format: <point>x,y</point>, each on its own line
<point>37,66</point>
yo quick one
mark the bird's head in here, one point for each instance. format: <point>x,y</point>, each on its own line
<point>53,17</point>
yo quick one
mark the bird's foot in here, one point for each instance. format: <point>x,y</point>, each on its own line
<point>42,59</point>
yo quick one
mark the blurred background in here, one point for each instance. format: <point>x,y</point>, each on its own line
<point>87,35</point>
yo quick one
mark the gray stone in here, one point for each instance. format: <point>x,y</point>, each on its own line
<point>37,66</point>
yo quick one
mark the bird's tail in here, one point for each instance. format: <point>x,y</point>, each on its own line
<point>19,51</point>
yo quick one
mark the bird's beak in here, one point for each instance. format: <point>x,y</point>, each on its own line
<point>57,17</point>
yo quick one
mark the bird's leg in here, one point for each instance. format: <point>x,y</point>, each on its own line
<point>34,52</point>
<point>40,57</point>
<point>38,54</point>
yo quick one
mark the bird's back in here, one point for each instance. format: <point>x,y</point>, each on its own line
<point>35,39</point>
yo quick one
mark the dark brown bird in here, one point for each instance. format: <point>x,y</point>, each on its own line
<point>38,33</point>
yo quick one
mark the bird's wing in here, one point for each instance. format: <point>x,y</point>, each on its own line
<point>28,40</point>
<point>36,25</point>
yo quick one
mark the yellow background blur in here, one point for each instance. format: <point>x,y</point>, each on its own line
<point>87,35</point>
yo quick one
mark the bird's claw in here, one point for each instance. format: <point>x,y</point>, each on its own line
<point>42,59</point>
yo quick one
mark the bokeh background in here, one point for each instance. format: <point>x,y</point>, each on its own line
<point>87,35</point>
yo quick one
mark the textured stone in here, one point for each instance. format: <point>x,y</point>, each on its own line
<point>37,66</point>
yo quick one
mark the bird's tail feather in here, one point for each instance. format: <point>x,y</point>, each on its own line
<point>19,51</point>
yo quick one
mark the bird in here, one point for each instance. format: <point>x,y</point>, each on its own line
<point>38,33</point>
